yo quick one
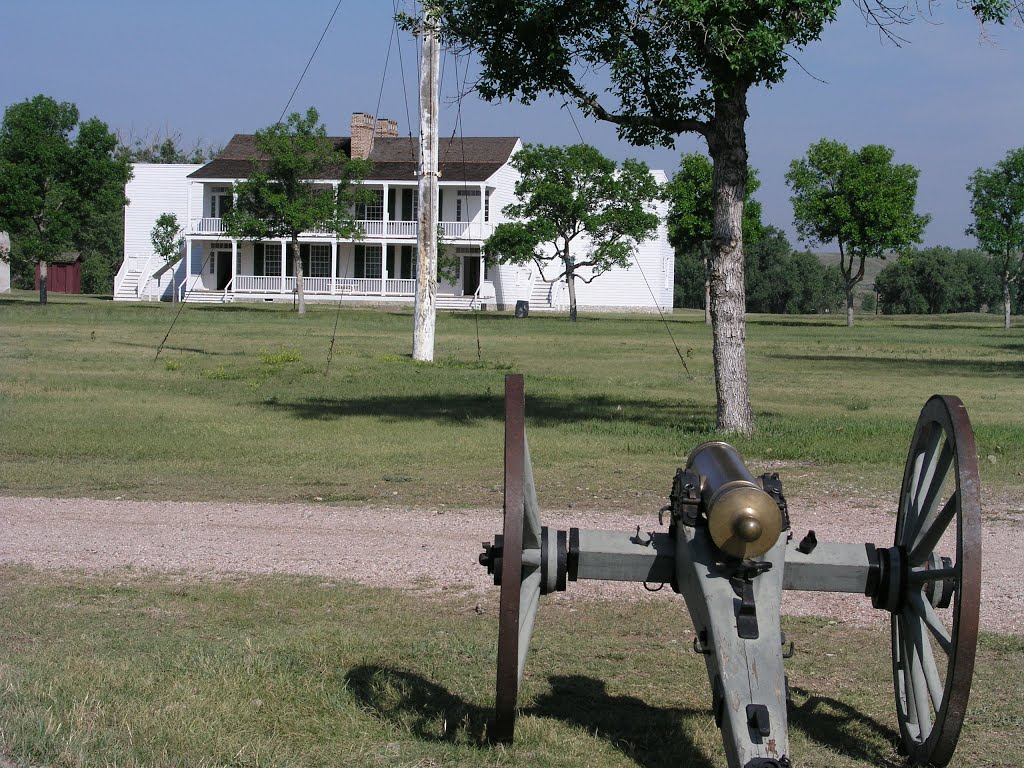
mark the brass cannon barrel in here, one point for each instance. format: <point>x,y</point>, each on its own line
<point>743,520</point>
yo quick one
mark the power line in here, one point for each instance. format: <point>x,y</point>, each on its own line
<point>306,69</point>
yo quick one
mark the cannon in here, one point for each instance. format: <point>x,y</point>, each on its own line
<point>730,550</point>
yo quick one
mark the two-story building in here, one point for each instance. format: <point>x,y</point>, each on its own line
<point>476,183</point>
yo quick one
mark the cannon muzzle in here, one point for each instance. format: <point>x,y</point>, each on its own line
<point>744,521</point>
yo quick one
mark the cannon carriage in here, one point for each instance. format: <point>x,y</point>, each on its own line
<point>730,549</point>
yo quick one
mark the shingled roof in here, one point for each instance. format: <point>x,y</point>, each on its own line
<point>394,159</point>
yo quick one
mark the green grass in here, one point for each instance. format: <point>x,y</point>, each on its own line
<point>238,405</point>
<point>133,670</point>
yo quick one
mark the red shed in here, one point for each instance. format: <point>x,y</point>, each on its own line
<point>64,273</point>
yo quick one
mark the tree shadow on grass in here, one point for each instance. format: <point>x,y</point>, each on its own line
<point>540,410</point>
<point>934,366</point>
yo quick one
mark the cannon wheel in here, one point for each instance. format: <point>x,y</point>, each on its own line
<point>520,565</point>
<point>933,647</point>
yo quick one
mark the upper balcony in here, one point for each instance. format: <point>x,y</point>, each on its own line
<point>373,229</point>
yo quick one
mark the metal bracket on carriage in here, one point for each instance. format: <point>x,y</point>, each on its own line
<point>685,498</point>
<point>772,485</point>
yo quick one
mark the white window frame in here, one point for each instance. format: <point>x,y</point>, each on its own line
<point>319,260</point>
<point>272,250</point>
<point>372,211</point>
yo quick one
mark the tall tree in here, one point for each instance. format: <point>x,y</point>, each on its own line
<point>657,69</point>
<point>291,188</point>
<point>997,205</point>
<point>577,209</point>
<point>691,215</point>
<point>61,183</point>
<point>859,200</point>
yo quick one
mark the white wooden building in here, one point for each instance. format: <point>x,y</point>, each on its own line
<point>476,183</point>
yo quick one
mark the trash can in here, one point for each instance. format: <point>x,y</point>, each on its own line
<point>522,308</point>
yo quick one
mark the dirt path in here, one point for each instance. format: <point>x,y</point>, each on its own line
<point>418,548</point>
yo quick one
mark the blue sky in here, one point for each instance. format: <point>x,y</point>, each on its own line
<point>947,102</point>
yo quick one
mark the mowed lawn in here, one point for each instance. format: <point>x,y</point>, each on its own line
<point>241,403</point>
<point>136,669</point>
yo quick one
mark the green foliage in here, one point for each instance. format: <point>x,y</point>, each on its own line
<point>857,199</point>
<point>61,184</point>
<point>280,199</point>
<point>783,282</point>
<point>574,192</point>
<point>166,237</point>
<point>938,280</point>
<point>291,188</point>
<point>667,63</point>
<point>691,214</point>
<point>997,206</point>
<point>691,208</point>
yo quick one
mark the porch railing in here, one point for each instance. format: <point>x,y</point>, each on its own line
<point>400,287</point>
<point>207,226</point>
<point>452,230</point>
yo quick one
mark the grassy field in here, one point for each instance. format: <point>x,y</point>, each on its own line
<point>133,669</point>
<point>238,405</point>
<point>137,671</point>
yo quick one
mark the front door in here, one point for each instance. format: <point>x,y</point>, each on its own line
<point>223,259</point>
<point>470,274</point>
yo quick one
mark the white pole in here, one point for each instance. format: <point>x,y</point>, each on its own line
<point>426,275</point>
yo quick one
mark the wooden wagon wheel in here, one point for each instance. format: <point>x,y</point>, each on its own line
<point>520,566</point>
<point>935,619</point>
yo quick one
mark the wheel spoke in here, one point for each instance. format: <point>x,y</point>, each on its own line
<point>926,612</point>
<point>528,601</point>
<point>932,485</point>
<point>903,675</point>
<point>531,517</point>
<point>917,683</point>
<point>923,651</point>
<point>931,530</point>
<point>930,455</point>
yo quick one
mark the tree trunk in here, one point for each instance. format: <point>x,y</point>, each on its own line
<point>707,290</point>
<point>42,281</point>
<point>849,307</point>
<point>1006,304</point>
<point>570,281</point>
<point>727,145</point>
<point>299,276</point>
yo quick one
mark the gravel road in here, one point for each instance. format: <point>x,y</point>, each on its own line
<point>421,549</point>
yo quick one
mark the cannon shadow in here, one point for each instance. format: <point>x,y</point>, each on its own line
<point>835,724</point>
<point>650,736</point>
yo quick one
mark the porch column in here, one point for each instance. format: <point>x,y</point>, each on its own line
<point>234,263</point>
<point>387,212</point>
<point>384,262</point>
<point>188,265</point>
<point>483,207</point>
<point>334,262</point>
<point>284,262</point>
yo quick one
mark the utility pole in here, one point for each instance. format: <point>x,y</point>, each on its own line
<point>426,274</point>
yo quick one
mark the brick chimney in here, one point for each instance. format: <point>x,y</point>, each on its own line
<point>362,135</point>
<point>387,128</point>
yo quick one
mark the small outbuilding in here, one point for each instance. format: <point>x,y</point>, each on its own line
<point>64,273</point>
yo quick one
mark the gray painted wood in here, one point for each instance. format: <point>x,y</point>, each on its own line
<point>750,670</point>
<point>613,556</point>
<point>828,568</point>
